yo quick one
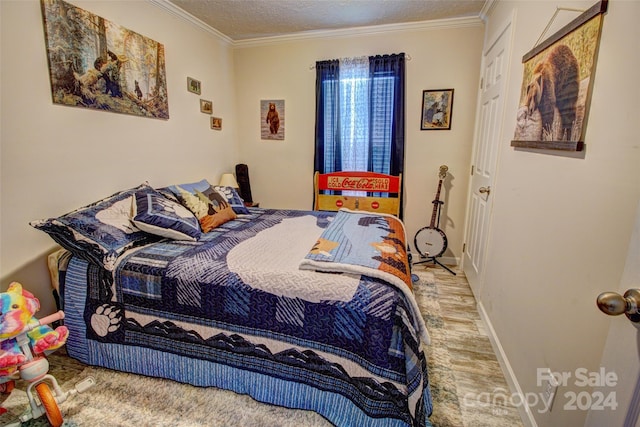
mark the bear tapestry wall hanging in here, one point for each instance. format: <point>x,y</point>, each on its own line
<point>96,64</point>
<point>557,83</point>
<point>272,119</point>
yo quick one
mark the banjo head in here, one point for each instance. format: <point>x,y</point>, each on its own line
<point>430,242</point>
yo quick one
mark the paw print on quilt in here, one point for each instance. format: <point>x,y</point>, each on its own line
<point>106,320</point>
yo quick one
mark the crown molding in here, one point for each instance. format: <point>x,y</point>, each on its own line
<point>180,13</point>
<point>486,9</point>
<point>362,31</point>
<point>320,34</point>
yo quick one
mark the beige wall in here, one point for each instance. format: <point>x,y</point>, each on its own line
<point>55,158</point>
<point>442,57</point>
<point>562,222</point>
<point>101,152</point>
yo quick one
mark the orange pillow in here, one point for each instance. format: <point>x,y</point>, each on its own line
<point>210,207</point>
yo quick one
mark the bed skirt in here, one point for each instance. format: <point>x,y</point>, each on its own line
<point>335,407</point>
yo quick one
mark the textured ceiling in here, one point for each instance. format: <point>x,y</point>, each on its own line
<point>249,19</point>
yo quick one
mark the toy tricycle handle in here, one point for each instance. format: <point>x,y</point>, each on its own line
<point>59,315</point>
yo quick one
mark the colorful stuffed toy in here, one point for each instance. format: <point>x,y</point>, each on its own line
<point>17,307</point>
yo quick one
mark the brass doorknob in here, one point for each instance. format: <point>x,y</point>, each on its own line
<point>483,190</point>
<point>615,304</point>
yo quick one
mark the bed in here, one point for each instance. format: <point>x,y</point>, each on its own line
<point>302,309</point>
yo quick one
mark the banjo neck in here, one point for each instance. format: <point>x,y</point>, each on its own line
<point>436,201</point>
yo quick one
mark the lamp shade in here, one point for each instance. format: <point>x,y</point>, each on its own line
<point>228,180</point>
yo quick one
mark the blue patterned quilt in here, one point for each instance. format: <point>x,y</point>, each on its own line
<point>369,244</point>
<point>233,310</point>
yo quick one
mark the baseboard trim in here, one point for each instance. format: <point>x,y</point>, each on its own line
<point>449,260</point>
<point>525,412</point>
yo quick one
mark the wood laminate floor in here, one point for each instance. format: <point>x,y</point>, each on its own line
<point>482,391</point>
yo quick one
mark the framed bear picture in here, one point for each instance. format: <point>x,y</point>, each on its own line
<point>272,119</point>
<point>556,85</point>
<point>216,123</point>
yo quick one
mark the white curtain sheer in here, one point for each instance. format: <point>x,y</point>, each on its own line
<point>354,108</point>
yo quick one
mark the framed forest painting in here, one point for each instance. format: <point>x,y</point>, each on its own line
<point>97,64</point>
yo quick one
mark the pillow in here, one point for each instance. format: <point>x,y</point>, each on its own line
<point>166,192</point>
<point>101,231</point>
<point>191,188</point>
<point>208,205</point>
<point>234,199</point>
<point>156,214</point>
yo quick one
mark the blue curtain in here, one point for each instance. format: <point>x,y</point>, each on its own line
<point>360,116</point>
<point>328,150</point>
<point>387,114</point>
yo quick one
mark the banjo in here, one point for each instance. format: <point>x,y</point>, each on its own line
<point>431,242</point>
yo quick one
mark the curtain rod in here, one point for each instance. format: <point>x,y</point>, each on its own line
<point>406,56</point>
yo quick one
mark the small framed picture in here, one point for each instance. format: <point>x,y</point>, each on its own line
<point>193,86</point>
<point>206,106</point>
<point>216,123</point>
<point>272,119</point>
<point>437,107</point>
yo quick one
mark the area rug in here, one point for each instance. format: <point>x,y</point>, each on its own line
<point>121,399</point>
<point>446,406</point>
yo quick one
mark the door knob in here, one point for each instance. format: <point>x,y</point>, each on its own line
<point>615,304</point>
<point>483,190</point>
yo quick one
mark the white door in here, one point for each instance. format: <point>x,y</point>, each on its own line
<point>616,402</point>
<point>495,63</point>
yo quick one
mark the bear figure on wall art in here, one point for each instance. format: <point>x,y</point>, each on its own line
<point>272,119</point>
<point>96,64</point>
<point>556,85</point>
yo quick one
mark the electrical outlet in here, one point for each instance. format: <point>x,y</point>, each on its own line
<point>549,388</point>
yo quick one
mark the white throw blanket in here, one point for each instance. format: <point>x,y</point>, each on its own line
<point>269,261</point>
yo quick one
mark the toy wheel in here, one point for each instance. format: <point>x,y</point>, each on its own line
<point>50,405</point>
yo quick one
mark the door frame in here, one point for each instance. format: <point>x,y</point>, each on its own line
<point>506,26</point>
<point>621,353</point>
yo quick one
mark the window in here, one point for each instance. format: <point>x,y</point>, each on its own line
<point>360,115</point>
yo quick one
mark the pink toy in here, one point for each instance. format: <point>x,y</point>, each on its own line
<point>17,309</point>
<point>24,341</point>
